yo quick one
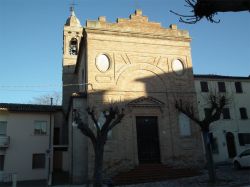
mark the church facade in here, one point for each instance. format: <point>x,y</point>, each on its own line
<point>142,67</point>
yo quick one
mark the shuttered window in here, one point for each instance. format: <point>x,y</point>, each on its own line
<point>40,128</point>
<point>3,127</point>
<point>1,162</point>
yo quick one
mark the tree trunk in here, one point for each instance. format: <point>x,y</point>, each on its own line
<point>209,157</point>
<point>98,177</point>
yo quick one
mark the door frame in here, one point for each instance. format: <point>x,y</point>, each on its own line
<point>151,111</point>
<point>155,128</point>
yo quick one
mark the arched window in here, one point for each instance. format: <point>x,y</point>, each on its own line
<point>73,46</point>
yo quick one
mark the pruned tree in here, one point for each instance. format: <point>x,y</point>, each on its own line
<point>113,117</point>
<point>216,104</point>
<point>209,8</point>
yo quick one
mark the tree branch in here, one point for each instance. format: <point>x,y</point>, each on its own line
<point>187,112</point>
<point>118,119</point>
<point>85,129</point>
<point>209,8</point>
<point>91,112</point>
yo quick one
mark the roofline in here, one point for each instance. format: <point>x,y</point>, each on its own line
<point>213,76</point>
<point>17,107</point>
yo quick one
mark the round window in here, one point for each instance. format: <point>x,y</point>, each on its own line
<point>102,63</point>
<point>177,67</point>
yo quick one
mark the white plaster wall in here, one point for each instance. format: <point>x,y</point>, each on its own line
<point>235,124</point>
<point>23,143</point>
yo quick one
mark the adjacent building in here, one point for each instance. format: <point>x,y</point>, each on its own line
<point>232,132</point>
<point>26,141</point>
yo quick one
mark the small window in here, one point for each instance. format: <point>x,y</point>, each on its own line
<point>73,47</point>
<point>221,87</point>
<point>3,127</point>
<point>1,162</point>
<point>238,87</point>
<point>243,113</point>
<point>244,138</point>
<point>226,113</point>
<point>40,128</point>
<point>38,161</point>
<point>184,125</point>
<point>206,112</point>
<point>204,86</point>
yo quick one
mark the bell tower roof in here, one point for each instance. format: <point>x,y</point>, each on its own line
<point>73,20</point>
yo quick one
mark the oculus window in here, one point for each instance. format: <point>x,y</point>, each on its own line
<point>178,67</point>
<point>102,62</point>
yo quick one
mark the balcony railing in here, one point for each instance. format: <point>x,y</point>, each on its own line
<point>4,141</point>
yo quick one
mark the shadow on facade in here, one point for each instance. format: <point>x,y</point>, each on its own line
<point>150,131</point>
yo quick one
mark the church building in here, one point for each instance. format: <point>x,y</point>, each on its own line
<point>142,67</point>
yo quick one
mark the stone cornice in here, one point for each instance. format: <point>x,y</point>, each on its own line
<point>137,25</point>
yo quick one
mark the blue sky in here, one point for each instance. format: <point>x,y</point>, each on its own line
<point>31,38</point>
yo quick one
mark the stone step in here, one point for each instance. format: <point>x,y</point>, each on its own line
<point>152,173</point>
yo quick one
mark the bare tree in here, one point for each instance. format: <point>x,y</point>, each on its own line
<point>45,99</point>
<point>209,8</point>
<point>216,103</point>
<point>113,116</point>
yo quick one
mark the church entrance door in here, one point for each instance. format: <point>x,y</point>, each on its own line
<point>147,139</point>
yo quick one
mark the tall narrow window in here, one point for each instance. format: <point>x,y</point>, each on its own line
<point>1,162</point>
<point>238,87</point>
<point>243,113</point>
<point>221,87</point>
<point>73,47</point>
<point>226,113</point>
<point>3,127</point>
<point>204,86</point>
<point>184,125</point>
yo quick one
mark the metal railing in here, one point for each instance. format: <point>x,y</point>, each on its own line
<point>10,178</point>
<point>4,141</point>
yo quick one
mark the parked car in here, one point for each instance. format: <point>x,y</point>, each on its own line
<point>242,159</point>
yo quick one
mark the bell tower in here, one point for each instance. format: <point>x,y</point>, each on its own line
<point>72,34</point>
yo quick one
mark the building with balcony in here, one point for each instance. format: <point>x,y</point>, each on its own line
<point>26,140</point>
